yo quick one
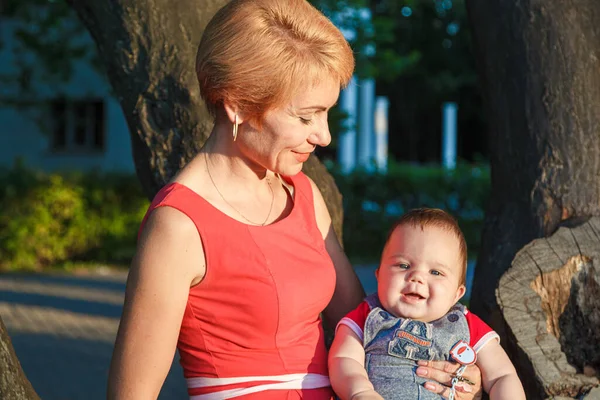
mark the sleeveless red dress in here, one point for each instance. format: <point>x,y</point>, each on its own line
<point>252,327</point>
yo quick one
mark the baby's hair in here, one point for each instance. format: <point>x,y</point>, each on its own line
<point>425,217</point>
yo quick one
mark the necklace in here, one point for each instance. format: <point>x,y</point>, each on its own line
<point>236,210</point>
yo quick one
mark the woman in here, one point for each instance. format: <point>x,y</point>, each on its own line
<point>237,257</point>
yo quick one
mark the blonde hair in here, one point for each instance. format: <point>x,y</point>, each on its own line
<point>426,217</point>
<point>255,54</point>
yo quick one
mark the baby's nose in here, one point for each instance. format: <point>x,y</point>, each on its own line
<point>416,276</point>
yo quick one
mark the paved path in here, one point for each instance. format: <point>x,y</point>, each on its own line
<point>63,328</point>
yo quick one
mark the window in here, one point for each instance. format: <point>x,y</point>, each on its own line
<point>78,125</point>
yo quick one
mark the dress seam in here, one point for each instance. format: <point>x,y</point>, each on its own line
<point>267,264</point>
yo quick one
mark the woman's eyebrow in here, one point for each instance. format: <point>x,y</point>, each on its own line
<point>317,107</point>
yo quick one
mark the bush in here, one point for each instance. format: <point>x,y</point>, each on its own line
<point>47,219</point>
<point>373,201</point>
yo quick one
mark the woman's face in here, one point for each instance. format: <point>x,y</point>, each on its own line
<point>291,133</point>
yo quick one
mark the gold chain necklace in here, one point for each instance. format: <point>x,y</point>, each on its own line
<point>236,210</point>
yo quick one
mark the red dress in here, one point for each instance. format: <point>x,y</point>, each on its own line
<point>256,314</point>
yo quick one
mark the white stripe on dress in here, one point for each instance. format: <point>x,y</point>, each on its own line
<point>290,381</point>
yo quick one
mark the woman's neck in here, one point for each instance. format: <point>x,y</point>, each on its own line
<point>228,163</point>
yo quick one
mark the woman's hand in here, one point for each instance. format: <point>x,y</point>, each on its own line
<point>440,374</point>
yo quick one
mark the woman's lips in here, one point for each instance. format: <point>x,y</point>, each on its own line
<point>301,157</point>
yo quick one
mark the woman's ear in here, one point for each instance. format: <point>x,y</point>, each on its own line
<point>232,112</point>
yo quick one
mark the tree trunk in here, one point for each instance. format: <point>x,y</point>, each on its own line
<point>539,63</point>
<point>13,382</point>
<point>550,299</point>
<point>148,49</point>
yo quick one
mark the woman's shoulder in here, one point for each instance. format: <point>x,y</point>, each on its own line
<point>171,236</point>
<point>170,210</point>
<point>169,220</point>
<point>168,227</point>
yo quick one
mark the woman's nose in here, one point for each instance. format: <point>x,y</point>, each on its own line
<point>321,136</point>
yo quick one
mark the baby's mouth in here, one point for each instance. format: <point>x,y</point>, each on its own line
<point>413,297</point>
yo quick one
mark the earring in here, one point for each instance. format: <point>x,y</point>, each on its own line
<point>235,128</point>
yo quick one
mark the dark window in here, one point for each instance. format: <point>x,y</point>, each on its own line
<point>59,132</point>
<point>78,125</point>
<point>99,125</point>
<point>81,123</point>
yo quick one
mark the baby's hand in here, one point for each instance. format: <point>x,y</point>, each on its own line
<point>367,395</point>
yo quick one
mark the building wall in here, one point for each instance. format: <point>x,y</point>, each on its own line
<point>27,134</point>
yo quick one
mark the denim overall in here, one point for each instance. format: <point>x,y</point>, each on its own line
<point>393,346</point>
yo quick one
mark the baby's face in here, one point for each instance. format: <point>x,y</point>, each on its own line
<point>419,274</point>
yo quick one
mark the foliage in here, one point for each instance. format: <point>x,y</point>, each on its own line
<point>372,202</point>
<point>371,38</point>
<point>393,38</point>
<point>417,50</point>
<point>420,54</point>
<point>42,42</point>
<point>47,219</point>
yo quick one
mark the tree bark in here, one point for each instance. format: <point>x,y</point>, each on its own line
<point>148,49</point>
<point>13,382</point>
<point>539,64</point>
<point>550,299</point>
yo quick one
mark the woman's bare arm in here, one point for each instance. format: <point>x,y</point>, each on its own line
<point>348,289</point>
<point>169,259</point>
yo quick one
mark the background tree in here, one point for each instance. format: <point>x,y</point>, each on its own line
<point>41,28</point>
<point>45,44</point>
<point>149,65</point>
<point>148,51</point>
<point>420,54</point>
<point>430,51</point>
<point>540,68</point>
<point>13,382</point>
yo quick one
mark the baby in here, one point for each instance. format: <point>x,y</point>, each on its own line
<point>415,316</point>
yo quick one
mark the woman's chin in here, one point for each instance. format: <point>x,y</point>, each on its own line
<point>291,170</point>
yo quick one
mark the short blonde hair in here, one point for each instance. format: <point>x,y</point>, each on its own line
<point>255,54</point>
<point>424,217</point>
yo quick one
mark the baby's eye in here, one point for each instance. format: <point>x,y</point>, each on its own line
<point>435,272</point>
<point>403,266</point>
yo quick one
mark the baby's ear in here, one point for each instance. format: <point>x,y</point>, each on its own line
<point>460,292</point>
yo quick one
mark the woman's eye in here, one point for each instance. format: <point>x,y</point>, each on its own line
<point>306,121</point>
<point>435,272</point>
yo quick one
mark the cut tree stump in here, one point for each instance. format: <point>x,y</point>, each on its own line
<point>550,299</point>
